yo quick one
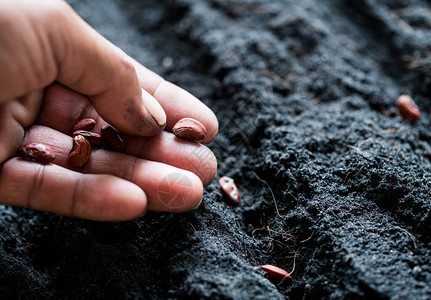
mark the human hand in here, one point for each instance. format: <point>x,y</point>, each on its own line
<point>48,42</point>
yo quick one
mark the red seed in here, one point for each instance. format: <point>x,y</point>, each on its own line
<point>275,272</point>
<point>95,139</point>
<point>37,152</point>
<point>81,151</point>
<point>85,124</point>
<point>112,138</point>
<point>408,108</point>
<point>228,186</point>
<point>190,129</point>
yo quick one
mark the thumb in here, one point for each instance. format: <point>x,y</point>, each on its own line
<point>49,42</point>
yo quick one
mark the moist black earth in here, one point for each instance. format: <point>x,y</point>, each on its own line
<point>335,185</point>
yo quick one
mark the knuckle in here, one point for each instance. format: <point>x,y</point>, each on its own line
<point>7,21</point>
<point>126,66</point>
<point>56,9</point>
<point>76,195</point>
<point>33,196</point>
<point>132,172</point>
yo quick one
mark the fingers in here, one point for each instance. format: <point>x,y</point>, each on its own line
<point>58,190</point>
<point>168,188</point>
<point>177,102</point>
<point>175,99</point>
<point>183,154</point>
<point>35,53</point>
<point>62,108</point>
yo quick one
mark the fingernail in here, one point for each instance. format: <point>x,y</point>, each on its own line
<point>144,212</point>
<point>199,204</point>
<point>154,108</point>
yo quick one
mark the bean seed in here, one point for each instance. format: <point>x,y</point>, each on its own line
<point>190,129</point>
<point>85,124</point>
<point>80,153</point>
<point>37,152</point>
<point>112,138</point>
<point>408,108</point>
<point>228,186</point>
<point>275,272</point>
<point>93,138</point>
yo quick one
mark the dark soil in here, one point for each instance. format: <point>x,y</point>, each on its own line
<point>333,182</point>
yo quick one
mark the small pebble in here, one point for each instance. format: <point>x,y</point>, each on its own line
<point>167,62</point>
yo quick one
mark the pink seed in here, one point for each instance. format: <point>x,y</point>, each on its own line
<point>275,272</point>
<point>228,186</point>
<point>408,108</point>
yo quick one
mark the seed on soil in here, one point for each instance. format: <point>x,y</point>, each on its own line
<point>408,108</point>
<point>37,152</point>
<point>190,129</point>
<point>84,124</point>
<point>80,153</point>
<point>95,139</point>
<point>112,138</point>
<point>229,188</point>
<point>275,272</point>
